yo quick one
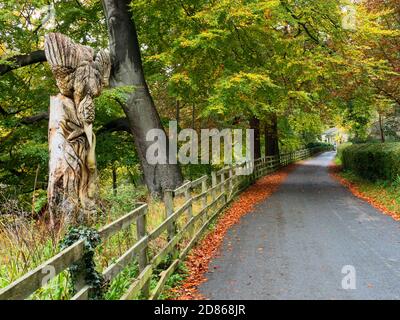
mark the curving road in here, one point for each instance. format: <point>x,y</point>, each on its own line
<point>296,244</point>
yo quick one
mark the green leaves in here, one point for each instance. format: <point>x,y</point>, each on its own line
<point>244,91</point>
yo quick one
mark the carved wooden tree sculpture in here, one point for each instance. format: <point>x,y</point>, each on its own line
<point>80,76</point>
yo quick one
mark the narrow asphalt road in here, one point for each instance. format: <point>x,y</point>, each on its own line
<point>296,244</point>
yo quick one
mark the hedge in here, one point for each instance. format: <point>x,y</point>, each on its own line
<point>340,149</point>
<point>322,145</point>
<point>373,161</point>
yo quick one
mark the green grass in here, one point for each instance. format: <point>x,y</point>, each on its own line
<point>383,192</point>
<point>122,282</point>
<point>173,281</point>
<point>26,243</point>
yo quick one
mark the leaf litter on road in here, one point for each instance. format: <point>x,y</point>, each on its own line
<point>197,263</point>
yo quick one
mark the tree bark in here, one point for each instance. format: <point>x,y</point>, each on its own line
<point>22,61</point>
<point>72,167</point>
<point>140,110</point>
<point>271,135</point>
<point>255,125</point>
<point>382,132</point>
<point>114,180</point>
<point>80,77</point>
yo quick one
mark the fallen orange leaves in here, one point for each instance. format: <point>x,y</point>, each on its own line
<point>334,170</point>
<point>198,260</point>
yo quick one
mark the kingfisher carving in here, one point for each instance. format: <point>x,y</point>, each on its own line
<point>80,76</point>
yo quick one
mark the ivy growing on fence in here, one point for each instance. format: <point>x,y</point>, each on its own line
<point>86,267</point>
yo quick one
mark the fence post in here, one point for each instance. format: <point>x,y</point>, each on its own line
<point>80,276</point>
<point>204,199</point>
<point>141,224</point>
<point>258,166</point>
<point>249,171</point>
<point>252,167</point>
<point>264,165</point>
<point>223,182</point>
<point>213,184</point>
<point>169,210</point>
<point>188,197</point>
<point>230,181</point>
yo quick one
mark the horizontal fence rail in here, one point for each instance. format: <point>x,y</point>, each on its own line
<point>213,194</point>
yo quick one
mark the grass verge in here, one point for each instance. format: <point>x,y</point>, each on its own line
<point>383,195</point>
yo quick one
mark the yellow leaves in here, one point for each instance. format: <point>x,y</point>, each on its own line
<point>257,79</point>
<point>2,49</point>
<point>244,91</point>
<point>161,57</point>
<point>208,35</point>
<point>370,23</point>
<point>300,96</point>
<point>180,78</point>
<point>242,16</point>
<point>375,29</point>
<point>205,38</point>
<point>186,43</point>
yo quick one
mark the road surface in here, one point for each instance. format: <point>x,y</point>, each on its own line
<point>312,239</point>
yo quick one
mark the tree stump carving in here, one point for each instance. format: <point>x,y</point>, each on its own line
<point>80,75</point>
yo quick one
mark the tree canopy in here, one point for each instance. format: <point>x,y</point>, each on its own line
<point>312,64</point>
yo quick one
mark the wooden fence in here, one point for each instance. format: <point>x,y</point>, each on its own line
<point>225,184</point>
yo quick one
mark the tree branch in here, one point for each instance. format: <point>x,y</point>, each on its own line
<point>120,124</point>
<point>35,118</point>
<point>22,61</point>
<point>304,26</point>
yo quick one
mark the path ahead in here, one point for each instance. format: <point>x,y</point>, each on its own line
<point>295,244</point>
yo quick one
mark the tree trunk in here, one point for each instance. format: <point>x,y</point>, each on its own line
<point>177,117</point>
<point>80,76</point>
<point>255,125</point>
<point>140,110</point>
<point>382,132</point>
<point>114,180</point>
<point>72,167</point>
<point>193,116</point>
<point>271,135</point>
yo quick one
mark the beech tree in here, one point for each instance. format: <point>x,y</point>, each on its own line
<point>139,107</point>
<point>127,70</point>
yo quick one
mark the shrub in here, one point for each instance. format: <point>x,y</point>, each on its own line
<point>373,161</point>
<point>340,148</point>
<point>318,144</point>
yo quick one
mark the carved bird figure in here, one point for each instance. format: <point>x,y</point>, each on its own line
<point>80,75</point>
